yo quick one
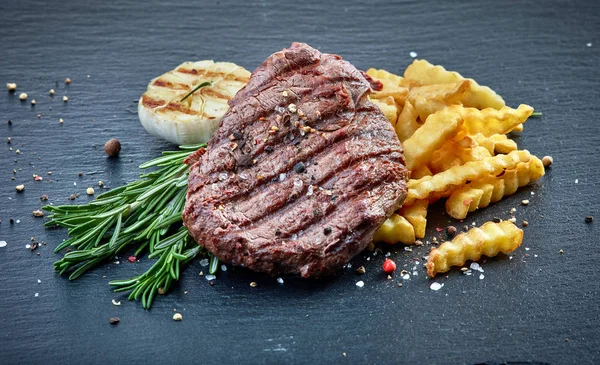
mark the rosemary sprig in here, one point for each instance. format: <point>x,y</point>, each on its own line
<point>536,114</point>
<point>146,213</point>
<point>205,83</point>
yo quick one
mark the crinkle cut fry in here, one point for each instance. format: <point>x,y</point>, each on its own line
<point>431,135</point>
<point>489,240</point>
<point>416,215</point>
<point>480,193</point>
<point>490,121</point>
<point>424,73</point>
<point>395,229</point>
<point>444,182</point>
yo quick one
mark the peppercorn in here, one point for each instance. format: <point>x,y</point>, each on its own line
<point>300,167</point>
<point>589,219</point>
<point>451,231</point>
<point>112,147</point>
<point>547,161</point>
<point>389,266</point>
<point>327,230</point>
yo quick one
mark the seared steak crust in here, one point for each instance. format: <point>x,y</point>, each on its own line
<point>301,172</point>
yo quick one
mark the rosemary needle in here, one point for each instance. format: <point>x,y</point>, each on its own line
<point>205,83</point>
<point>145,213</point>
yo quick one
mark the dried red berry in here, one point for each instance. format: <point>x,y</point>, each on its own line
<point>389,266</point>
<point>132,258</point>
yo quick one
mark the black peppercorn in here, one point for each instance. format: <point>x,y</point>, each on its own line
<point>300,167</point>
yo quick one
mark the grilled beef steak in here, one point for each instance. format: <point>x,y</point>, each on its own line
<point>301,171</point>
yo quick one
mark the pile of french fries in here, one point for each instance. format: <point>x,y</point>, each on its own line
<point>454,134</point>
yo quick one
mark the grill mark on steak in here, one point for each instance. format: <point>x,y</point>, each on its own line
<point>237,207</point>
<point>342,144</point>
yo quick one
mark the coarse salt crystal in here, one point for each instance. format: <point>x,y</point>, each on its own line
<point>74,183</point>
<point>475,266</point>
<point>28,246</point>
<point>18,221</point>
<point>223,176</point>
<point>282,177</point>
<point>223,268</point>
<point>413,54</point>
<point>481,277</point>
<point>243,176</point>
<point>526,248</point>
<point>405,276</point>
<point>204,262</point>
<point>210,277</point>
<point>280,280</point>
<point>589,44</point>
<point>436,286</point>
<point>576,181</point>
<point>360,284</point>
<point>415,273</point>
<point>310,190</point>
<point>297,182</point>
<point>279,109</point>
<point>37,295</point>
<point>39,281</point>
<point>406,248</point>
<point>3,243</point>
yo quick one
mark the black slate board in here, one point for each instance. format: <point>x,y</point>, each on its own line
<point>540,308</point>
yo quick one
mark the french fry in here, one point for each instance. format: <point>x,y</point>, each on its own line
<point>388,107</point>
<point>395,229</point>
<point>455,153</point>
<point>518,129</point>
<point>420,171</point>
<point>429,99</point>
<point>497,143</point>
<point>416,214</point>
<point>424,73</point>
<point>407,123</point>
<point>444,183</point>
<point>431,135</point>
<point>491,121</point>
<point>489,240</point>
<point>391,86</point>
<point>426,107</point>
<point>479,194</point>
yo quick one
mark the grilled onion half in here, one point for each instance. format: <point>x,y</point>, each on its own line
<point>166,112</point>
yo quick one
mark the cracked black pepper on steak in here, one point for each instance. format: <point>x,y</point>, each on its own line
<point>247,201</point>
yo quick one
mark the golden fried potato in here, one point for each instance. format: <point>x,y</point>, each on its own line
<point>416,214</point>
<point>491,121</point>
<point>518,129</point>
<point>391,86</point>
<point>480,97</point>
<point>456,153</point>
<point>395,229</point>
<point>420,171</point>
<point>407,123</point>
<point>489,240</point>
<point>388,107</point>
<point>431,135</point>
<point>479,194</point>
<point>497,143</point>
<point>444,183</point>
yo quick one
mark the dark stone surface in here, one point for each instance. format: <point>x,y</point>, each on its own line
<point>524,310</point>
